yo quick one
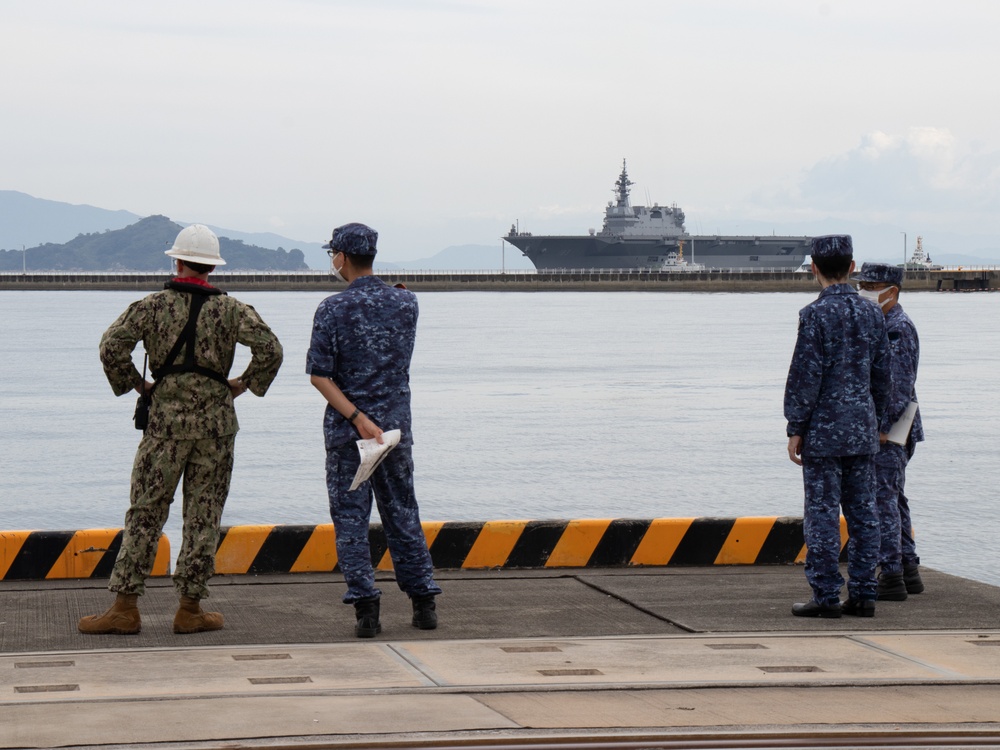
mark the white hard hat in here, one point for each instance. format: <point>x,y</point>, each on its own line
<point>197,244</point>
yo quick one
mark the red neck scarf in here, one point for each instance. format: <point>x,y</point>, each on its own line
<point>192,280</point>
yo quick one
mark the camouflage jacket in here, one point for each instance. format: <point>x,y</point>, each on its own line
<point>839,379</point>
<point>905,347</point>
<point>362,339</point>
<point>190,406</point>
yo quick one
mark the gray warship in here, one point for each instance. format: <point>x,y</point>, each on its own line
<point>654,238</point>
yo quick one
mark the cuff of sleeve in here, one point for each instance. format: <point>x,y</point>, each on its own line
<point>121,387</point>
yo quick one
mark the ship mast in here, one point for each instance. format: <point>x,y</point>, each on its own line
<point>622,187</point>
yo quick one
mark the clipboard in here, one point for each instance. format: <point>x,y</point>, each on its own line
<point>900,431</point>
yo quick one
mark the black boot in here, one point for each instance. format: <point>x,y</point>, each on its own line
<point>424,613</point>
<point>911,577</point>
<point>366,611</point>
<point>812,608</point>
<point>891,587</point>
<point>858,607</point>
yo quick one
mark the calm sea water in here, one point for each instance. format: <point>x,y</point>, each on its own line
<point>544,405</point>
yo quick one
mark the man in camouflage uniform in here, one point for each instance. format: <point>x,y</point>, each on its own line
<point>359,360</point>
<point>835,397</point>
<point>192,425</point>
<point>898,560</point>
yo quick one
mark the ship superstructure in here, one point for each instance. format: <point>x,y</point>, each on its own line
<point>654,238</point>
<point>920,260</point>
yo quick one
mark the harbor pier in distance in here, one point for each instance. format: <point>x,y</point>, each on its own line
<point>596,280</point>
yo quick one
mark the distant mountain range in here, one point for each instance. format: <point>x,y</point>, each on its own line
<point>140,247</point>
<point>64,236</point>
<point>29,221</point>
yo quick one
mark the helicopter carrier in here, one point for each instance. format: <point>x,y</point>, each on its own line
<point>654,238</point>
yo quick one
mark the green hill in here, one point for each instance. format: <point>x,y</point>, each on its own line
<point>141,247</point>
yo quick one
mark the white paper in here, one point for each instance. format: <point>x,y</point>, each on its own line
<point>900,431</point>
<point>372,455</point>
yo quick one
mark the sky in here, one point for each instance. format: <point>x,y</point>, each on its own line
<point>442,122</point>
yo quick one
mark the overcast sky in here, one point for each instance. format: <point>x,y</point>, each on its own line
<point>442,122</point>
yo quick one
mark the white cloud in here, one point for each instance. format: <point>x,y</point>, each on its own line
<point>922,171</point>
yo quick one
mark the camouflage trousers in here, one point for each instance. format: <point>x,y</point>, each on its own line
<point>207,466</point>
<point>890,464</point>
<point>392,487</point>
<point>831,484</point>
<point>898,547</point>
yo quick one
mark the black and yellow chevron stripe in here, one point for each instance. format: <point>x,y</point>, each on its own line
<point>532,544</point>
<point>586,543</point>
<point>88,553</point>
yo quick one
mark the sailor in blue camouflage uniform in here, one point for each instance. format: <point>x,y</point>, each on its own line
<point>899,564</point>
<point>359,360</point>
<point>836,395</point>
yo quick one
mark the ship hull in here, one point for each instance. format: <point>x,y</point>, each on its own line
<point>713,252</point>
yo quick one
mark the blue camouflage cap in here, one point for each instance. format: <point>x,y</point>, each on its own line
<point>353,238</point>
<point>832,246</point>
<point>880,273</point>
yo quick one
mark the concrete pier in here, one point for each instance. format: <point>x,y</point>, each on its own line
<point>515,281</point>
<point>660,657</point>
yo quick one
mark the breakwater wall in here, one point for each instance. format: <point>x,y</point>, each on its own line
<point>511,281</point>
<point>469,545</point>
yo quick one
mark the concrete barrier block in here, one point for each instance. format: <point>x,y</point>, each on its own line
<point>468,545</point>
<point>87,553</point>
<point>578,543</point>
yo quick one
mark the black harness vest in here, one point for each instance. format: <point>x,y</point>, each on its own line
<point>199,295</point>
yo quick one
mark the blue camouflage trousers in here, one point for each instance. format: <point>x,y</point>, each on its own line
<point>908,547</point>
<point>392,487</point>
<point>890,467</point>
<point>897,547</point>
<point>207,467</point>
<point>833,483</point>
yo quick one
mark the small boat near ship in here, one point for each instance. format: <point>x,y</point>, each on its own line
<point>920,261</point>
<point>654,238</point>
<point>675,262</point>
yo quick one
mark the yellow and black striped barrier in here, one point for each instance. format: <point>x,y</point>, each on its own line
<point>89,553</point>
<point>532,544</point>
<point>586,543</point>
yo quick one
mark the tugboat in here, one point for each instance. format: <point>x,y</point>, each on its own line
<point>675,261</point>
<point>920,261</point>
<point>644,237</point>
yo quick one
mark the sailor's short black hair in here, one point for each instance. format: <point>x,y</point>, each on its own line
<point>198,267</point>
<point>833,267</point>
<point>360,261</point>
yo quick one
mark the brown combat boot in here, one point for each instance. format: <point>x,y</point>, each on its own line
<point>121,619</point>
<point>191,619</point>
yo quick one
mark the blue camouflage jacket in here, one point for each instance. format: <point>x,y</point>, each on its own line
<point>905,347</point>
<point>839,380</point>
<point>362,339</point>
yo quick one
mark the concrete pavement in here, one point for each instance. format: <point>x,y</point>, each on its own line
<point>640,653</point>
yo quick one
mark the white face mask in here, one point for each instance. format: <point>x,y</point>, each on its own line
<point>337,271</point>
<point>880,298</point>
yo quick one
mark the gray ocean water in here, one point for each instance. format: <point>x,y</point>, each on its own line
<point>526,406</point>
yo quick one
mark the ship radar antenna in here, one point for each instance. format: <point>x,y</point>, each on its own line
<point>622,186</point>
